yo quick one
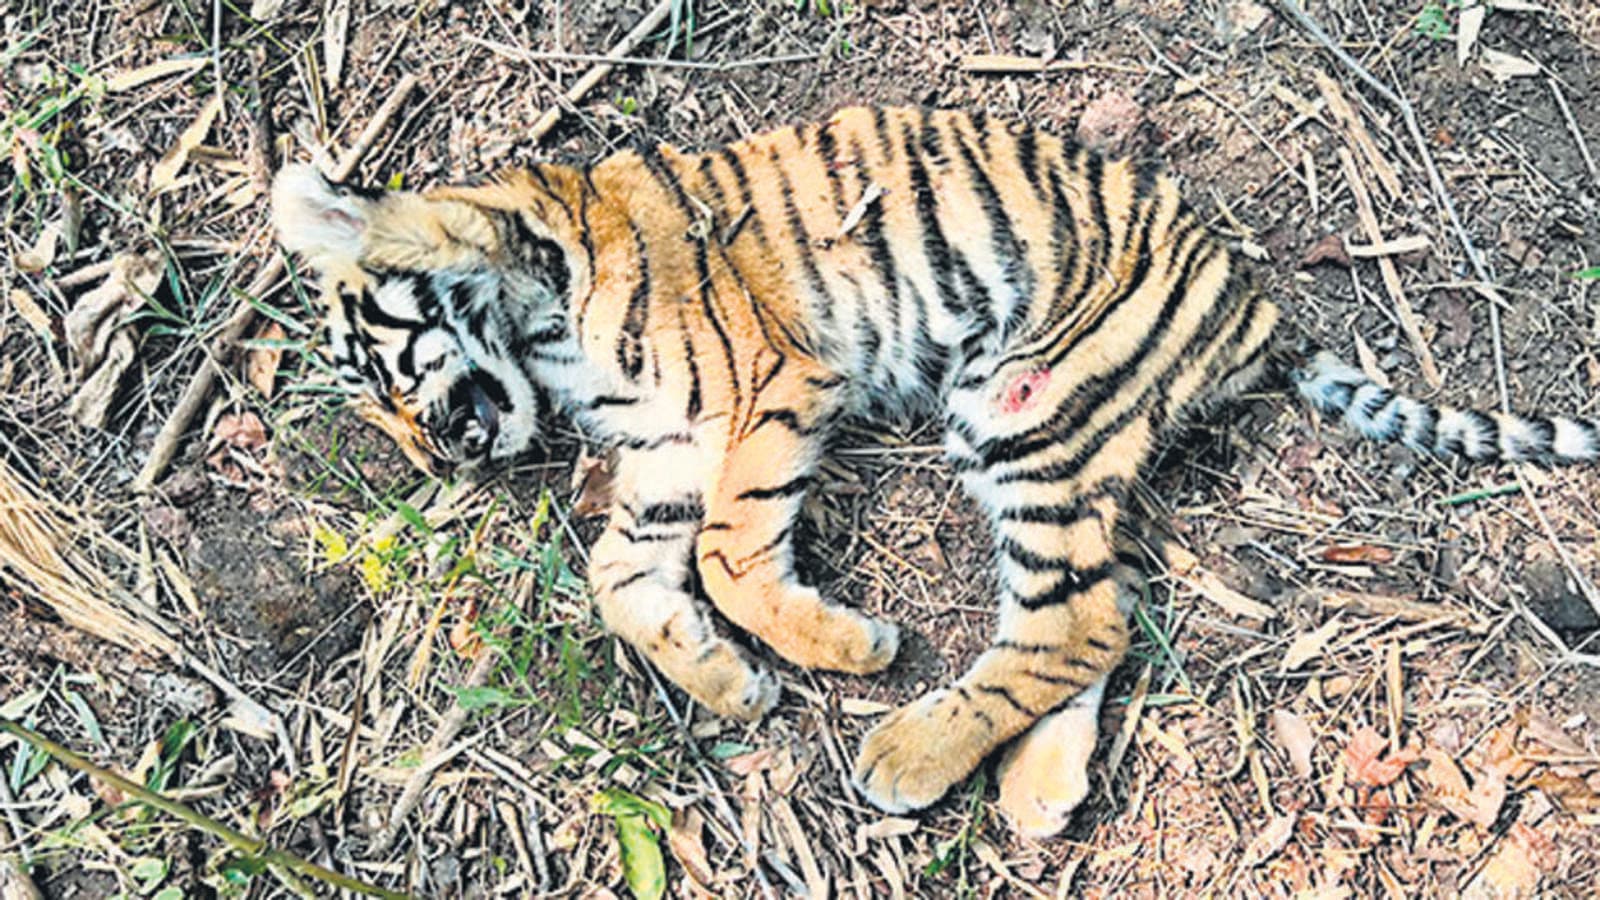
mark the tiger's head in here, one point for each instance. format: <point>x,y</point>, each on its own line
<point>431,300</point>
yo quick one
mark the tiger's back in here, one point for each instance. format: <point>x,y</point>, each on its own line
<point>917,251</point>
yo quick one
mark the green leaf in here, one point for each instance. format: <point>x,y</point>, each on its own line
<point>477,699</point>
<point>169,893</point>
<point>618,802</point>
<point>1589,274</point>
<point>642,864</point>
<point>240,869</point>
<point>730,749</point>
<point>148,871</point>
<point>413,518</point>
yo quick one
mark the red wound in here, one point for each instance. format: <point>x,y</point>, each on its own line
<point>1024,390</point>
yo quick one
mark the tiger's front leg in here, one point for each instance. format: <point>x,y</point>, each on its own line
<point>1060,631</point>
<point>746,548</point>
<point>639,574</point>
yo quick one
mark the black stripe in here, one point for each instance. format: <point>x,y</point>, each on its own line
<point>373,314</point>
<point>1007,249</point>
<point>692,408</point>
<point>1059,680</point>
<point>671,513</point>
<point>787,489</point>
<point>649,537</point>
<point>630,339</point>
<point>636,576</point>
<point>1072,584</point>
<point>785,417</point>
<point>655,443</point>
<point>1004,693</point>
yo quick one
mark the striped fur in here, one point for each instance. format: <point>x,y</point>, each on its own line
<point>713,315</point>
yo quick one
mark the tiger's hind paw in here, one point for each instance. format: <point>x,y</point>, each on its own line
<point>918,752</point>
<point>1044,774</point>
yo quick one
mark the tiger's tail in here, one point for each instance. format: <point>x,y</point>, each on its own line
<point>1337,388</point>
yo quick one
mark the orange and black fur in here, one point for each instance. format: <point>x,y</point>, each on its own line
<point>712,316</point>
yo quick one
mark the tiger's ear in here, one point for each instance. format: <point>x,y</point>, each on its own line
<point>314,219</point>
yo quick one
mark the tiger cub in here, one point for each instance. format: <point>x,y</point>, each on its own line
<point>712,316</point>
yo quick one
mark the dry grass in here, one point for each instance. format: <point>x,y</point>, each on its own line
<point>1357,672</point>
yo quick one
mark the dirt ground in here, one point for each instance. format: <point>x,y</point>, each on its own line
<point>1356,672</point>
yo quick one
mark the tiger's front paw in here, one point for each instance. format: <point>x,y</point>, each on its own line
<point>728,684</point>
<point>820,635</point>
<point>919,751</point>
<point>869,646</point>
<point>1045,773</point>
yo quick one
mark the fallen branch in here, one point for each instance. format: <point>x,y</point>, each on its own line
<point>585,84</point>
<point>251,847</point>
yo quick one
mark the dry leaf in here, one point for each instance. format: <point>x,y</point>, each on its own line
<point>261,363</point>
<point>1365,763</point>
<point>1369,363</point>
<point>241,431</point>
<point>1330,249</point>
<point>91,403</point>
<point>1487,796</point>
<point>262,10</point>
<point>1271,840</point>
<point>1295,736</point>
<point>1211,586</point>
<point>685,841</point>
<point>1308,646</point>
<point>1001,63</point>
<point>1444,779</point>
<point>335,30</point>
<point>124,81</point>
<point>1182,758</point>
<point>1471,24</point>
<point>1244,17</point>
<point>1348,554</point>
<point>43,252</point>
<point>750,763</point>
<point>1517,6</point>
<point>886,827</point>
<point>1549,732</point>
<point>31,312</point>
<point>1513,870</point>
<point>1506,66</point>
<point>1569,792</point>
<point>855,706</point>
<point>868,197</point>
<point>593,481</point>
<point>99,313</point>
<point>167,169</point>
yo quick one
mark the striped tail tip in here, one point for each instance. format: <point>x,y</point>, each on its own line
<point>1337,388</point>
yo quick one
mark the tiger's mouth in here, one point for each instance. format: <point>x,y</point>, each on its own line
<point>478,437</point>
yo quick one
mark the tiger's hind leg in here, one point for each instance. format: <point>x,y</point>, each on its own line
<point>1060,630</point>
<point>640,576</point>
<point>1044,774</point>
